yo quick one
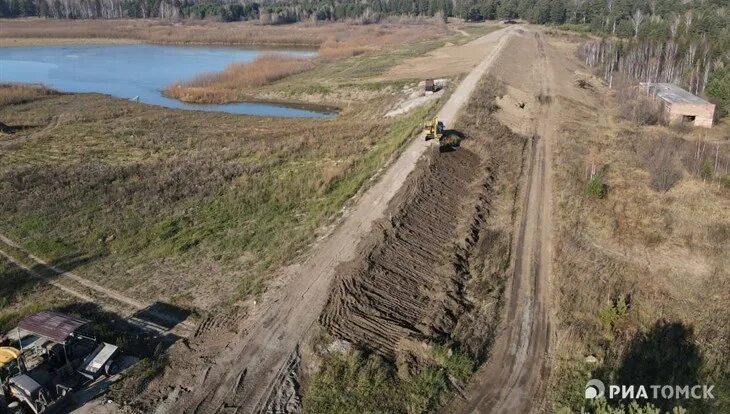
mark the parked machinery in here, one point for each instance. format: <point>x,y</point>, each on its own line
<point>434,129</point>
<point>51,357</point>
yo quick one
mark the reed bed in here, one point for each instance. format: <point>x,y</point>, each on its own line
<point>224,86</point>
<point>11,94</point>
<point>208,32</point>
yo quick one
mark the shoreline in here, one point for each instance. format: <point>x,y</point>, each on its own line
<point>58,41</point>
<point>55,41</point>
<point>328,111</point>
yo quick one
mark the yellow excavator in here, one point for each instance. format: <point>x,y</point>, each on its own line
<point>434,129</point>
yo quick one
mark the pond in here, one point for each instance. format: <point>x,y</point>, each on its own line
<point>139,72</point>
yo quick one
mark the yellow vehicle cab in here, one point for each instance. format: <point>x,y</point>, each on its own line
<point>8,355</point>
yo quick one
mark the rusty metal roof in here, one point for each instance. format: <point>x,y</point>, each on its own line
<point>673,93</point>
<point>52,325</point>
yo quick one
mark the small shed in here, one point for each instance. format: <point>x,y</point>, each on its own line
<point>680,106</point>
<point>52,325</point>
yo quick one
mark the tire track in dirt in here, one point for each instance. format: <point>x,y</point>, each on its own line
<point>88,291</point>
<point>512,379</point>
<point>410,286</point>
<point>243,374</point>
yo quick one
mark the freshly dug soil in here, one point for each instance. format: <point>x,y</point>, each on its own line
<point>434,271</point>
<point>409,285</point>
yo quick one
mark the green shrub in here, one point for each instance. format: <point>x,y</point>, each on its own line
<point>576,27</point>
<point>601,406</point>
<point>456,364</point>
<point>610,314</point>
<point>596,187</point>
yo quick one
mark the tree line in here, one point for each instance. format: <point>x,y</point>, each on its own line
<point>267,12</point>
<point>617,17</point>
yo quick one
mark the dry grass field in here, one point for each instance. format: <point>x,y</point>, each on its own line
<point>18,94</point>
<point>39,30</point>
<point>642,270</point>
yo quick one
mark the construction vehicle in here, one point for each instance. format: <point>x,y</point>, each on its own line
<point>51,357</point>
<point>434,129</point>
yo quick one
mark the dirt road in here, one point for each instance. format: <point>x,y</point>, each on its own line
<point>241,378</point>
<point>88,291</point>
<point>511,380</point>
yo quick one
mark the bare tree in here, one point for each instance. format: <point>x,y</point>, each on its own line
<point>688,17</point>
<point>637,19</point>
<point>674,26</point>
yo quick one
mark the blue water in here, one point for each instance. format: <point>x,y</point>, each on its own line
<point>129,71</point>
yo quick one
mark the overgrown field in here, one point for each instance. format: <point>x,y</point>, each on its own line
<point>187,32</point>
<point>226,86</point>
<point>642,270</point>
<point>18,94</point>
<point>400,30</point>
<point>409,321</point>
<point>194,208</point>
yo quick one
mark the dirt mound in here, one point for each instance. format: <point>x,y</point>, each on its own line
<point>422,276</point>
<point>409,284</point>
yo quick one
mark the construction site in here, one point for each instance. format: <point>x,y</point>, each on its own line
<point>478,229</point>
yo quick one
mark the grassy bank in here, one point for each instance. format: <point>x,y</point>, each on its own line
<point>227,85</point>
<point>18,94</point>
<point>194,208</point>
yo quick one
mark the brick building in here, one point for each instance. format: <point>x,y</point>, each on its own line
<point>680,106</point>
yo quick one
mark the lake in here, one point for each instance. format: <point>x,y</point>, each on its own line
<point>136,71</point>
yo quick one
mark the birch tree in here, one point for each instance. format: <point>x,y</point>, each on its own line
<point>636,20</point>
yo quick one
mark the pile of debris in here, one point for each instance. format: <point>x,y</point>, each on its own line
<point>426,91</point>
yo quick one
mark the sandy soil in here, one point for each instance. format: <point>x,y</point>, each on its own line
<point>513,379</point>
<point>444,62</point>
<point>224,371</point>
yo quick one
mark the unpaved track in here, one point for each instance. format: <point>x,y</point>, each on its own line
<point>86,290</point>
<point>512,378</point>
<point>241,378</point>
